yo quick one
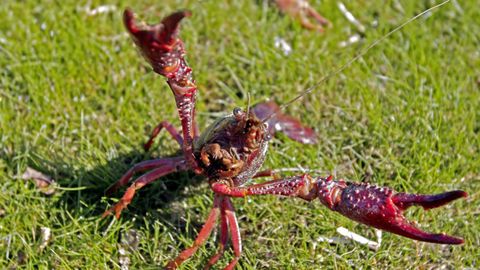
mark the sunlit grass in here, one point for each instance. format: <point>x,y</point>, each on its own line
<point>77,102</point>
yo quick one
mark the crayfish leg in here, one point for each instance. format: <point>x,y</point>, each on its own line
<point>161,167</point>
<point>201,237</point>
<point>170,129</point>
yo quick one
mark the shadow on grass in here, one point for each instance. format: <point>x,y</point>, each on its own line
<point>84,188</point>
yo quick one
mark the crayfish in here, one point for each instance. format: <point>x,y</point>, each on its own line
<point>231,151</point>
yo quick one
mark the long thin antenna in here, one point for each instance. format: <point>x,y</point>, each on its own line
<point>354,59</point>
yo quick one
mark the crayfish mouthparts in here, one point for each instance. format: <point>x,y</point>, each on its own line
<point>383,209</point>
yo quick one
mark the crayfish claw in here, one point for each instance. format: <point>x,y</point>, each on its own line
<point>129,21</point>
<point>405,200</point>
<point>163,33</point>
<point>383,209</point>
<point>403,227</point>
<point>158,43</point>
<point>170,25</point>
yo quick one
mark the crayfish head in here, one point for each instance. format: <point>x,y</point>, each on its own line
<point>233,147</point>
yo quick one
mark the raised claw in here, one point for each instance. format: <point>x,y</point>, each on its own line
<point>156,40</point>
<point>160,34</point>
<point>383,209</point>
<point>161,47</point>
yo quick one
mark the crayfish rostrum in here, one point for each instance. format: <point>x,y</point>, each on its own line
<point>231,151</point>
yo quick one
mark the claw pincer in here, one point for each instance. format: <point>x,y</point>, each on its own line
<point>160,45</point>
<point>382,208</point>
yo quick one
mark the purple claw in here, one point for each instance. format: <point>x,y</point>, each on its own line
<point>156,40</point>
<point>405,200</point>
<point>406,228</point>
<point>382,209</point>
<point>163,33</point>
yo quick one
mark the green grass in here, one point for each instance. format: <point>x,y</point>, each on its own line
<point>77,102</point>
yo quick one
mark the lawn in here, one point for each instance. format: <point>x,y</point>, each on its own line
<point>77,102</point>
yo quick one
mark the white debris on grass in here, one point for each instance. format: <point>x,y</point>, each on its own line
<point>360,27</point>
<point>348,236</point>
<point>359,239</point>
<point>283,45</point>
<point>378,233</point>
<point>100,10</point>
<point>45,237</point>
<point>333,240</point>
<point>129,241</point>
<point>351,40</point>
<point>123,259</point>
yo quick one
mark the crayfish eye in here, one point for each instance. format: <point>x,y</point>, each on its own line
<point>238,113</point>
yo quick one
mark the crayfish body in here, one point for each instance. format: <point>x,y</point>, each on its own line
<point>233,148</point>
<point>231,151</point>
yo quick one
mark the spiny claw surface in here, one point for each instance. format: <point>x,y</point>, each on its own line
<point>383,209</point>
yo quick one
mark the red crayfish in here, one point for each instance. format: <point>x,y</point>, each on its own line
<point>230,152</point>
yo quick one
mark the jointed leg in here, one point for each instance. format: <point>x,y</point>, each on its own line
<point>276,173</point>
<point>235,233</point>
<point>196,131</point>
<point>266,173</point>
<point>139,167</point>
<point>223,237</point>
<point>201,237</point>
<point>222,207</point>
<point>169,165</point>
<point>171,129</point>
